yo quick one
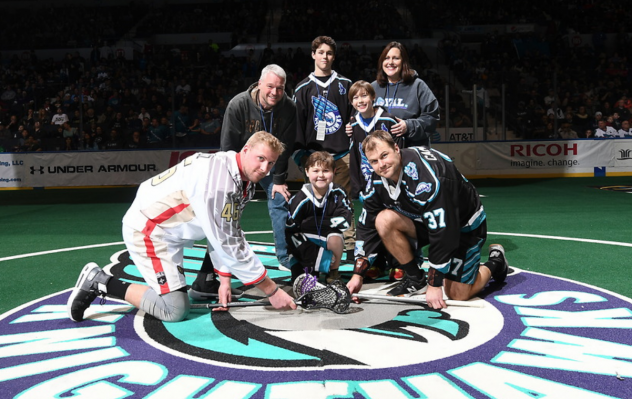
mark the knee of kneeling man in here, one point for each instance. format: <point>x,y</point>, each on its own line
<point>385,218</point>
<point>176,315</point>
<point>458,296</point>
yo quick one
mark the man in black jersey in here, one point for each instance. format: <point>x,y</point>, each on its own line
<point>416,197</point>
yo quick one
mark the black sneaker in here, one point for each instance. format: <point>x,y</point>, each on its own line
<point>206,287</point>
<point>497,253</point>
<point>410,286</point>
<point>90,284</point>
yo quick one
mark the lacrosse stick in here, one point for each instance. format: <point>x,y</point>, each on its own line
<point>334,297</point>
<point>419,301</point>
<point>306,283</point>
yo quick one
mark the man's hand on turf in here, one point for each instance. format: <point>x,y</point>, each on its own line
<point>281,300</point>
<point>224,293</point>
<point>354,286</point>
<point>278,298</point>
<point>434,298</point>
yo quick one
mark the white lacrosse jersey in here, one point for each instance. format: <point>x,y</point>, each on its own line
<point>201,197</point>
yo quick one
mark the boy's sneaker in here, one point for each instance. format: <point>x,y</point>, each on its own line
<point>396,274</point>
<point>206,287</point>
<point>497,253</point>
<point>410,286</point>
<point>91,283</point>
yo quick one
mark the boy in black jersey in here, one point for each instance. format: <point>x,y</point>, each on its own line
<point>323,110</point>
<point>318,216</point>
<point>418,198</point>
<point>367,119</point>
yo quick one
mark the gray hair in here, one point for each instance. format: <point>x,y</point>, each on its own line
<point>275,69</point>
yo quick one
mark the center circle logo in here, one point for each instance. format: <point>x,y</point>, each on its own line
<point>536,336</point>
<point>264,338</point>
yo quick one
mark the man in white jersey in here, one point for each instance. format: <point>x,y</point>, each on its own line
<point>625,131</point>
<point>201,197</point>
<point>605,131</point>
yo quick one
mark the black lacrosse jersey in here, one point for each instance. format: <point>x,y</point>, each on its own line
<point>328,101</point>
<point>432,193</point>
<point>359,169</point>
<point>310,221</point>
<point>318,218</point>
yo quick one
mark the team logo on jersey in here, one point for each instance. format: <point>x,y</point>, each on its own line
<point>423,188</point>
<point>341,89</point>
<point>384,128</point>
<point>327,111</point>
<point>161,278</point>
<point>411,171</point>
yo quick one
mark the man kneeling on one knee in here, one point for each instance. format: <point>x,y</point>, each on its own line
<point>415,198</point>
<point>201,197</point>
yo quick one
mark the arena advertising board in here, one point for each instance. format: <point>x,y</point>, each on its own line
<point>517,158</point>
<point>535,337</point>
<point>94,168</point>
<point>570,156</point>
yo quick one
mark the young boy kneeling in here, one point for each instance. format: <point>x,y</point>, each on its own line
<point>318,215</point>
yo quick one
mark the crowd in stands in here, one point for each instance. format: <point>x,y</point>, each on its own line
<point>175,95</point>
<point>548,94</point>
<point>40,27</point>
<point>247,19</point>
<point>349,20</point>
<point>553,89</point>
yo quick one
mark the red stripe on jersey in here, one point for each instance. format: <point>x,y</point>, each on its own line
<point>260,279</point>
<point>257,281</point>
<point>222,273</point>
<point>149,245</point>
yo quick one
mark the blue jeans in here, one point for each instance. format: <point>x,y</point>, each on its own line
<point>278,210</point>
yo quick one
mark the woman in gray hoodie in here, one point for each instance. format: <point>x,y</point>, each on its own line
<point>400,91</point>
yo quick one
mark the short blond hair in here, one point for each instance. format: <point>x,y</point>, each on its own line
<point>263,137</point>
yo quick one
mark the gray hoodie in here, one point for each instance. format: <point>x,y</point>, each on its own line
<point>415,103</point>
<point>243,118</point>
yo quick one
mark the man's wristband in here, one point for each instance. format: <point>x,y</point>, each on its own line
<point>273,292</point>
<point>361,266</point>
<point>435,277</point>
